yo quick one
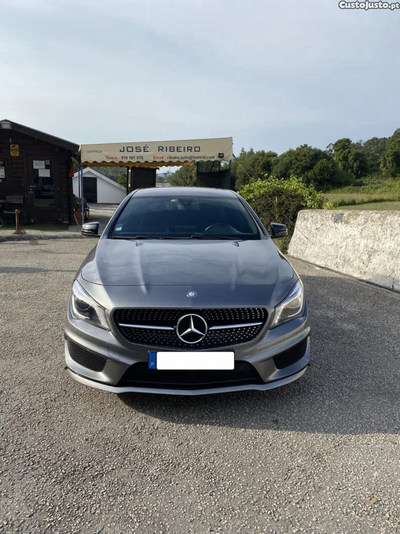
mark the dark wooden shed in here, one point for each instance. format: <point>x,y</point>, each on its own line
<point>37,168</point>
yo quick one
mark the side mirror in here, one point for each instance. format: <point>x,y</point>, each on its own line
<point>90,229</point>
<point>278,230</point>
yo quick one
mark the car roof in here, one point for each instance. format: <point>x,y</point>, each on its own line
<point>185,191</point>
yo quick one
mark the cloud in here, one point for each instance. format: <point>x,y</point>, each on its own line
<point>272,74</point>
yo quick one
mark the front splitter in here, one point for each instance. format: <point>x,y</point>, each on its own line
<point>187,392</point>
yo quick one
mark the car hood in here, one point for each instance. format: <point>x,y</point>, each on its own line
<point>163,272</point>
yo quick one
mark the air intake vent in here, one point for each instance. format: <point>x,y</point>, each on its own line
<point>291,356</point>
<point>86,357</point>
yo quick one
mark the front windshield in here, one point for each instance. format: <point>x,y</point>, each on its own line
<point>174,217</point>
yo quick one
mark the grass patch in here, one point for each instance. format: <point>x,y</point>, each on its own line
<point>353,198</point>
<point>388,188</point>
<point>385,193</point>
<point>375,206</point>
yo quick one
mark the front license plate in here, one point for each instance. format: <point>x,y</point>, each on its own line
<point>192,361</point>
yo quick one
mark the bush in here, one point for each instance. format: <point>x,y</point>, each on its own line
<point>277,200</point>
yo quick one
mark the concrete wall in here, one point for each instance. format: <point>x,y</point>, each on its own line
<point>364,244</point>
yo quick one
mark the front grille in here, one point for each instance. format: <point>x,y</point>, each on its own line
<point>139,375</point>
<point>291,356</point>
<point>86,357</point>
<point>155,327</point>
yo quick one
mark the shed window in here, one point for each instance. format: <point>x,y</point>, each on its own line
<point>44,182</point>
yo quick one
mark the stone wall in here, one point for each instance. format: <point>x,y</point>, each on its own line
<point>364,244</point>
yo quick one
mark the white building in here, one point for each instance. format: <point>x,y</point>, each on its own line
<point>97,188</point>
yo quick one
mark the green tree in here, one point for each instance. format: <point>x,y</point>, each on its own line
<point>350,160</point>
<point>358,163</point>
<point>376,146</point>
<point>374,149</point>
<point>110,172</point>
<point>313,165</point>
<point>390,161</point>
<point>184,176</point>
<point>252,165</point>
<point>395,135</point>
<point>324,174</point>
<point>122,178</point>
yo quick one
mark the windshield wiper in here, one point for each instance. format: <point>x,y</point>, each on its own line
<point>212,236</point>
<point>145,237</point>
<point>135,237</point>
<point>129,237</point>
<point>194,236</point>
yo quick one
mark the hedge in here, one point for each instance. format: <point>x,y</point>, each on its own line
<point>280,200</point>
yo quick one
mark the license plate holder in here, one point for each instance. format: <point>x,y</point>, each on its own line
<point>191,361</point>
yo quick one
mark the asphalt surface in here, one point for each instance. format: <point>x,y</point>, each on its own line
<point>318,456</point>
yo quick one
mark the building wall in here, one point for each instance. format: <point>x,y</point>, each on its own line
<point>106,193</point>
<point>109,194</point>
<point>18,174</point>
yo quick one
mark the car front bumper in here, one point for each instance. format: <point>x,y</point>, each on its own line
<point>185,391</point>
<point>119,356</point>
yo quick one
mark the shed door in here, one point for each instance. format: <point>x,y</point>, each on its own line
<point>4,178</point>
<point>44,189</point>
<point>90,188</point>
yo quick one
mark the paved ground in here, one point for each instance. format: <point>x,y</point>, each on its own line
<point>318,456</point>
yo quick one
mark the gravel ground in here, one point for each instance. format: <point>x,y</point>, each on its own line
<point>34,235</point>
<point>318,456</point>
<point>98,212</point>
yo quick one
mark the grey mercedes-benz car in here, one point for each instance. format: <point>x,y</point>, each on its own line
<point>186,293</point>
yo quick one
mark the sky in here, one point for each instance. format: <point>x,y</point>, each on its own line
<point>273,75</point>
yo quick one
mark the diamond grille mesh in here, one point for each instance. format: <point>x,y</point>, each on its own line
<point>169,317</point>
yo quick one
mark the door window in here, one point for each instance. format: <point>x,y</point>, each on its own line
<point>2,171</point>
<point>43,180</point>
<point>3,179</point>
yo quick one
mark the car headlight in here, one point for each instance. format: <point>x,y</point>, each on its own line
<point>85,308</point>
<point>291,307</point>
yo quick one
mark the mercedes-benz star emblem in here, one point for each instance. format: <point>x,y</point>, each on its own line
<point>191,294</point>
<point>191,329</point>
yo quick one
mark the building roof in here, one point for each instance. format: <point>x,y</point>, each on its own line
<point>97,174</point>
<point>73,147</point>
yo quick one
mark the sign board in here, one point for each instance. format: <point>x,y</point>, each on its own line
<point>14,150</point>
<point>158,152</point>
